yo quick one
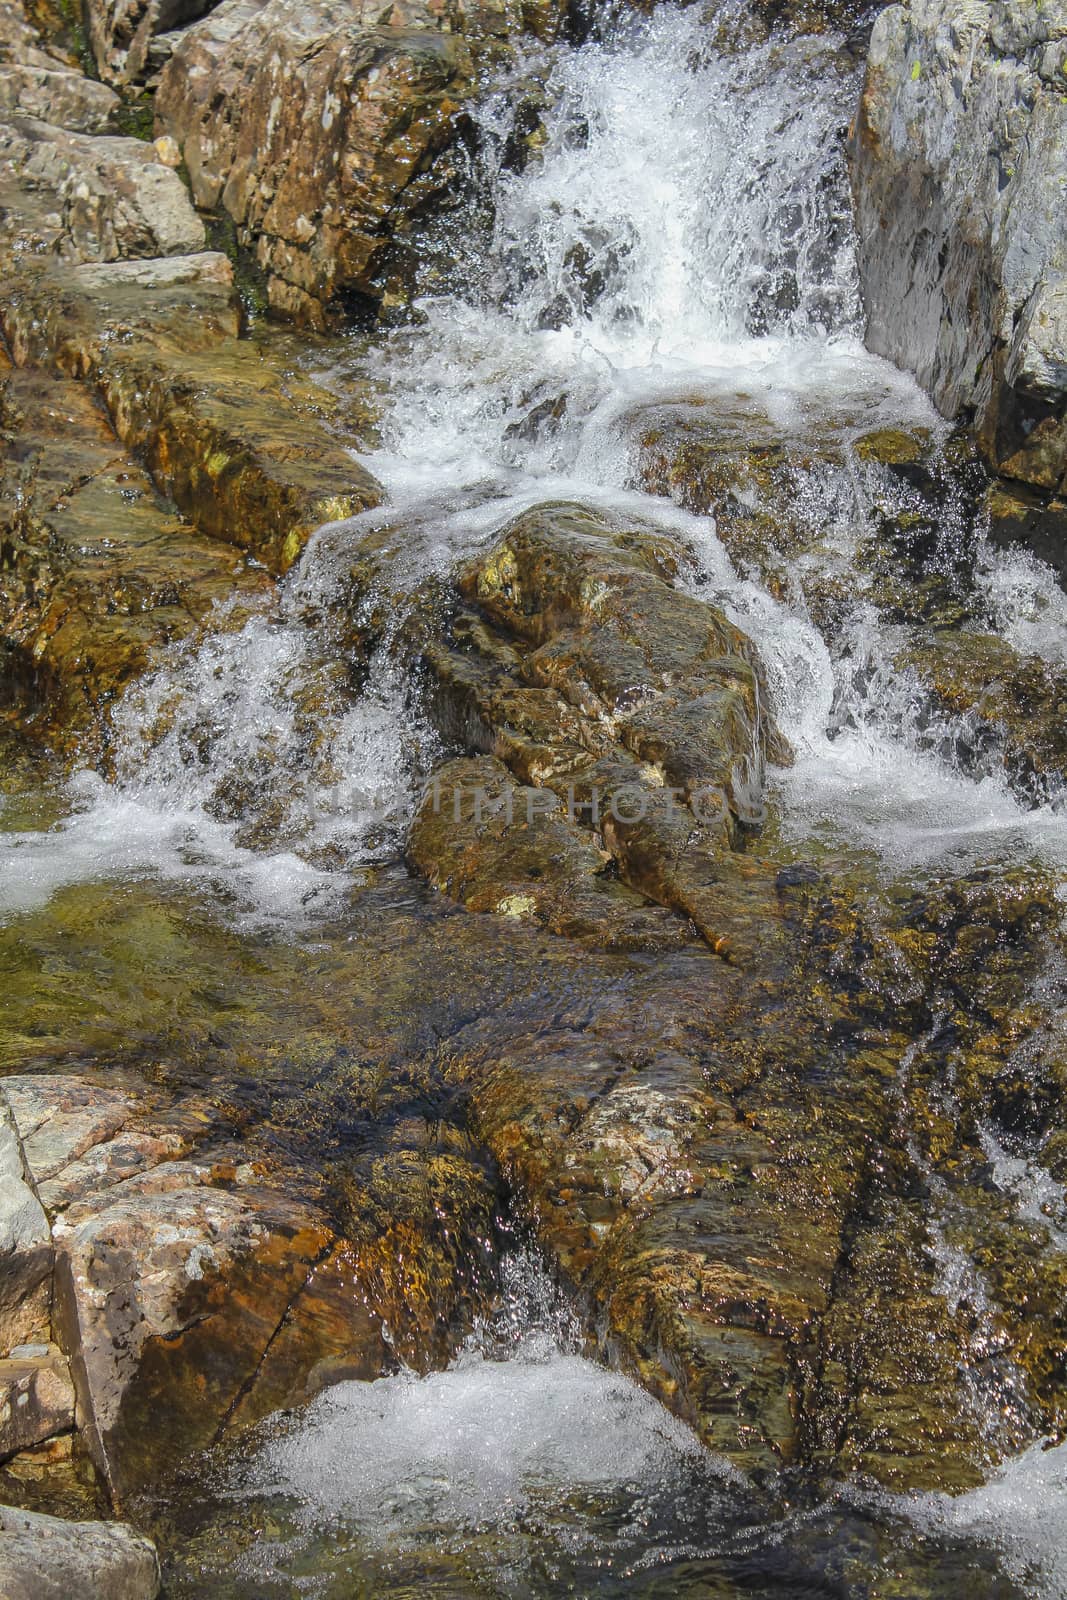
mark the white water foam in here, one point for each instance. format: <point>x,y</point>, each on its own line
<point>1021,1513</point>
<point>520,1423</point>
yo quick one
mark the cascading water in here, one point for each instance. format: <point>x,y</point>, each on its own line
<point>628,265</point>
<point>638,260</point>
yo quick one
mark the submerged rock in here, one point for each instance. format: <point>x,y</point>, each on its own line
<point>46,1558</point>
<point>958,161</point>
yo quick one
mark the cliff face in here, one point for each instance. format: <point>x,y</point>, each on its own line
<point>960,171</point>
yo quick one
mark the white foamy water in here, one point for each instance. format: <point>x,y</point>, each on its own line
<point>520,1425</point>
<point>1021,1513</point>
<point>682,233</point>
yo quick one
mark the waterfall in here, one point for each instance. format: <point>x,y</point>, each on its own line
<point>679,233</point>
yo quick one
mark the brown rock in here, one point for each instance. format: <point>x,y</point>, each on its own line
<point>121,32</point>
<point>97,574</point>
<point>317,130</point>
<point>169,1290</point>
<point>36,1397</point>
<point>589,673</point>
<point>211,414</point>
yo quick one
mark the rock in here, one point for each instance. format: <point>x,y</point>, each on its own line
<point>41,83</point>
<point>169,1290</point>
<point>1018,516</point>
<point>89,198</point>
<point>1016,702</point>
<point>25,1246</point>
<point>958,160</point>
<point>56,96</point>
<point>225,429</point>
<point>45,1558</point>
<point>36,1397</point>
<point>518,850</point>
<point>78,1138</point>
<point>579,663</point>
<point>167,151</point>
<point>199,1287</point>
<point>122,32</point>
<point>98,576</point>
<point>317,131</point>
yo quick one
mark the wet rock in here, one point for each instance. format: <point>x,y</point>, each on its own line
<point>90,198</point>
<point>97,573</point>
<point>318,132</point>
<point>496,845</point>
<point>1019,517</point>
<point>225,431</point>
<point>696,1217</point>
<point>45,1558</point>
<point>885,1401</point>
<point>25,1245</point>
<point>724,456</point>
<point>580,665</point>
<point>958,157</point>
<point>36,1397</point>
<point>1017,701</point>
<point>701,1148</point>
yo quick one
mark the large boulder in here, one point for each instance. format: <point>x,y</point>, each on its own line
<point>200,1285</point>
<point>576,660</point>
<point>317,129</point>
<point>959,152</point>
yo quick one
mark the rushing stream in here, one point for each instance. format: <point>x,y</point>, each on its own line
<point>636,261</point>
<point>680,236</point>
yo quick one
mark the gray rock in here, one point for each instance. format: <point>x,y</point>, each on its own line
<point>25,1245</point>
<point>91,198</point>
<point>47,1558</point>
<point>57,95</point>
<point>960,178</point>
<point>207,267</point>
<point>36,83</point>
<point>75,1140</point>
<point>36,1397</point>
